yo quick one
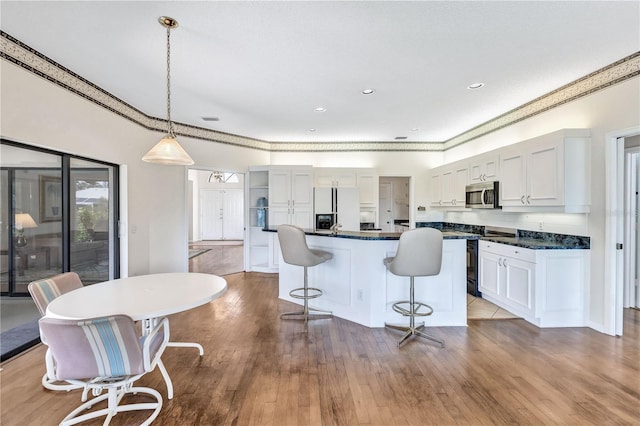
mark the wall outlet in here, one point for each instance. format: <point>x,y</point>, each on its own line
<point>540,226</point>
<point>360,295</point>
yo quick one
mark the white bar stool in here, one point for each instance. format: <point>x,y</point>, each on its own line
<point>295,251</point>
<point>419,255</point>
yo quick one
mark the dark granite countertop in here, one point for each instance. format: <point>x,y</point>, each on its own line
<point>525,239</point>
<point>377,235</point>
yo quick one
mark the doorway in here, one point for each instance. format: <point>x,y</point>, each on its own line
<point>614,264</point>
<point>394,201</point>
<point>631,292</point>
<point>216,225</point>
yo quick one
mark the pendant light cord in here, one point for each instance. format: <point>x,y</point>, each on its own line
<point>169,122</point>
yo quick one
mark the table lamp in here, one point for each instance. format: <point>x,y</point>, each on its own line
<point>23,220</point>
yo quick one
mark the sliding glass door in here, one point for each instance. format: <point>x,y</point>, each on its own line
<point>59,213</point>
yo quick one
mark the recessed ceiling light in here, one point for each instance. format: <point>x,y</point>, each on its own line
<point>312,130</point>
<point>474,86</point>
<point>210,119</point>
<point>368,91</point>
<point>320,109</point>
<point>415,129</point>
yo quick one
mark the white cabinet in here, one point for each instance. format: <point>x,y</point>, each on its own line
<point>258,244</point>
<point>367,182</point>
<point>545,287</point>
<point>291,196</point>
<point>484,168</point>
<point>448,185</point>
<point>550,171</point>
<point>325,177</point>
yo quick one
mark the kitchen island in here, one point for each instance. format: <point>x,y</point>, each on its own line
<point>358,288</point>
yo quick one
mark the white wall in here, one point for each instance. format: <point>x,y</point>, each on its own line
<point>37,112</point>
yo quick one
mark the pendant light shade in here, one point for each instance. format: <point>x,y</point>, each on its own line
<point>168,150</point>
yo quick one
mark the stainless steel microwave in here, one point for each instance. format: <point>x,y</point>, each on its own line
<point>483,195</point>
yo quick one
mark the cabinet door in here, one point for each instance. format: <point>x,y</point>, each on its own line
<point>519,280</point>
<point>447,183</point>
<point>279,188</point>
<point>543,175</point>
<point>278,216</point>
<point>367,185</point>
<point>322,179</point>
<point>345,178</point>
<point>436,190</point>
<point>461,175</point>
<point>302,217</point>
<point>302,188</point>
<point>490,273</point>
<point>514,177</point>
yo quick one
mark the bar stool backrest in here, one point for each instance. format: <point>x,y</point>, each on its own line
<point>295,250</point>
<point>419,253</point>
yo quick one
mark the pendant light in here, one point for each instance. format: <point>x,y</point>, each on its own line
<point>168,150</point>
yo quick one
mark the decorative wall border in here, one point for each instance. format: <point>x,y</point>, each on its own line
<point>35,62</point>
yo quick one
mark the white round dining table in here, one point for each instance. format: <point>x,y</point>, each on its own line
<point>144,298</point>
<point>141,297</point>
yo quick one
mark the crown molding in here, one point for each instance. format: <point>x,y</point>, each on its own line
<point>20,54</point>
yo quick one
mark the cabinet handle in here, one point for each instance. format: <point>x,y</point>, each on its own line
<point>293,203</point>
<point>499,261</point>
<point>504,262</point>
<point>528,201</point>
<point>522,199</point>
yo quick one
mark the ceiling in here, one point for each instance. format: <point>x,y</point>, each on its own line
<point>263,68</point>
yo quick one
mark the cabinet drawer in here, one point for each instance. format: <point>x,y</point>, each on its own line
<point>524,254</point>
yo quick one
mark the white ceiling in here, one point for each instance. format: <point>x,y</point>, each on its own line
<point>263,67</point>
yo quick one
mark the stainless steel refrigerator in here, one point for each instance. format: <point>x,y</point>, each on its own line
<point>341,204</point>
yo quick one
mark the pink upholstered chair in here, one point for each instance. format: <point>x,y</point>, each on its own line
<point>43,292</point>
<point>104,353</point>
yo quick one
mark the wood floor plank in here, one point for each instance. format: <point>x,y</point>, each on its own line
<point>261,370</point>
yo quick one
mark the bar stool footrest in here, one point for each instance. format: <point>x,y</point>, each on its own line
<point>312,293</point>
<point>399,308</point>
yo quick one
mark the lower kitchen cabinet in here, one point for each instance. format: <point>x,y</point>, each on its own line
<point>546,287</point>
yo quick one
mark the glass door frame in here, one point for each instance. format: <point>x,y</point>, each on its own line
<point>66,211</point>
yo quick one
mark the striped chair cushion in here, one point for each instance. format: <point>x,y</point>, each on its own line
<point>97,347</point>
<point>44,291</point>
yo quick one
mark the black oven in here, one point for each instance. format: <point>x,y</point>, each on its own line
<point>472,268</point>
<point>325,221</point>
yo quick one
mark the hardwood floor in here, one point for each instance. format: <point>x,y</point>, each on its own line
<point>260,370</point>
<point>218,260</point>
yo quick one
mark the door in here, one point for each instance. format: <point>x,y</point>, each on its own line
<point>386,207</point>
<point>221,216</point>
<point>211,213</point>
<point>232,215</point>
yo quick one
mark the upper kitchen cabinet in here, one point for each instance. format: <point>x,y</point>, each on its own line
<point>291,196</point>
<point>484,168</point>
<point>325,177</point>
<point>550,171</point>
<point>367,182</point>
<point>448,185</point>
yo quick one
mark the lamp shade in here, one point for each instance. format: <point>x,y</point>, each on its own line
<point>168,151</point>
<point>24,220</point>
